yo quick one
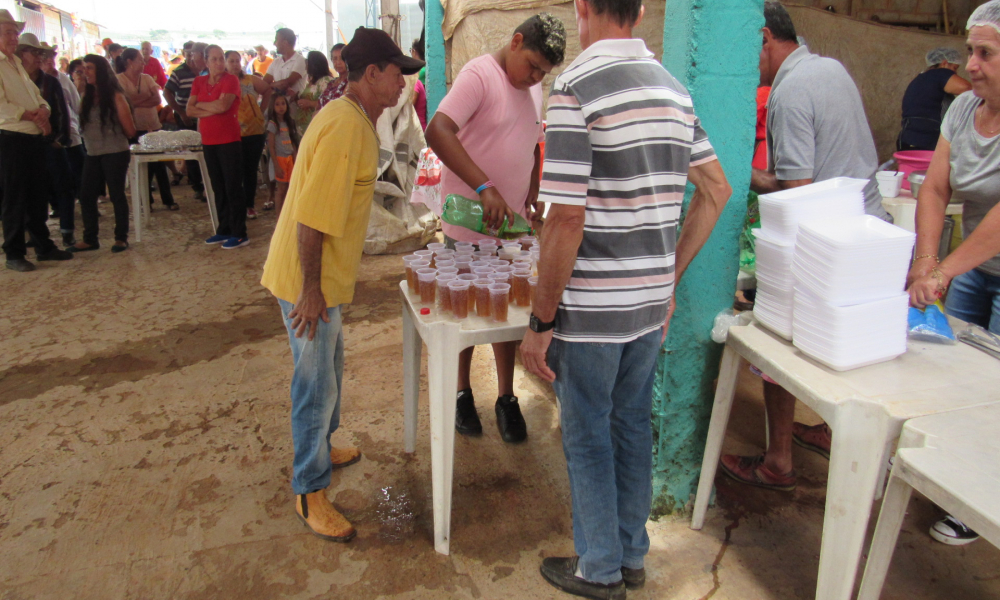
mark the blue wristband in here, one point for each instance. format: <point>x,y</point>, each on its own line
<point>488,184</point>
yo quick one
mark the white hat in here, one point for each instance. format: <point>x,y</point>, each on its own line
<point>6,18</point>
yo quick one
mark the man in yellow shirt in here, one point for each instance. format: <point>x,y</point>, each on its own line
<point>313,262</point>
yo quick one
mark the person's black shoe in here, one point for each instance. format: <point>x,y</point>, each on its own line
<point>634,579</point>
<point>200,196</point>
<point>54,254</point>
<point>68,239</point>
<point>20,265</point>
<point>466,418</point>
<point>561,573</point>
<point>509,420</point>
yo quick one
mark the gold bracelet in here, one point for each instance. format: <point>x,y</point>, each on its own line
<point>934,256</point>
<point>937,274</point>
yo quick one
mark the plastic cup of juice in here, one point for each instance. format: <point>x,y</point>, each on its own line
<point>411,271</point>
<point>436,246</point>
<point>444,270</point>
<point>469,277</point>
<point>464,245</point>
<point>426,277</point>
<point>481,254</point>
<point>527,241</point>
<point>483,270</point>
<point>482,287</point>
<point>444,262</point>
<point>499,297</point>
<point>479,263</point>
<point>459,291</point>
<point>532,284</point>
<point>464,266</point>
<point>428,256</point>
<point>519,283</point>
<point>443,296</point>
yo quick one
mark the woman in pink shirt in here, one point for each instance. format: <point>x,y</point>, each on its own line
<point>486,131</point>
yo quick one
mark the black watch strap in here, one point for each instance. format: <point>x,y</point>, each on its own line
<point>539,326</point>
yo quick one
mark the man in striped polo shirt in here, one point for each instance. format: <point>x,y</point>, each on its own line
<point>622,141</point>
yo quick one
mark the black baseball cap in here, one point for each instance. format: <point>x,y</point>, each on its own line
<point>370,46</point>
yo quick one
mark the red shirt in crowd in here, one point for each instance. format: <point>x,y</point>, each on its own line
<point>154,69</point>
<point>223,128</point>
<point>760,143</point>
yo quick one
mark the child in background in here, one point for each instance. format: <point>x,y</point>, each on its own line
<point>282,144</point>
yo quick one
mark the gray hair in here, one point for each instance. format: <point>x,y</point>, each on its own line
<point>940,55</point>
<point>200,48</point>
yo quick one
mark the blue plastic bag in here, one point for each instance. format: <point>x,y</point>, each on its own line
<point>930,325</point>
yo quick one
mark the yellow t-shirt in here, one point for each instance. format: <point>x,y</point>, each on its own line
<point>331,191</point>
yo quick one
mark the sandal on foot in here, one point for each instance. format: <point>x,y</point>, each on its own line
<point>815,438</point>
<point>751,470</point>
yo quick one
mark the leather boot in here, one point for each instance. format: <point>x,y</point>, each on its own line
<point>322,519</point>
<point>342,457</point>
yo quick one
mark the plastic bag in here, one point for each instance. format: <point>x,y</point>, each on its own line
<point>930,325</point>
<point>726,319</point>
<point>977,337</point>
<point>427,186</point>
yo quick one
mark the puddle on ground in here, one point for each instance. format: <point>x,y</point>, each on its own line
<point>394,513</point>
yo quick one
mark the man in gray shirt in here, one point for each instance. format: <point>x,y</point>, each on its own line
<point>816,130</point>
<point>816,126</point>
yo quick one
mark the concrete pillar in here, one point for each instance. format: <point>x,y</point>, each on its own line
<point>434,47</point>
<point>712,47</point>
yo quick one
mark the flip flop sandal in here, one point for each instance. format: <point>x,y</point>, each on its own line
<point>751,471</point>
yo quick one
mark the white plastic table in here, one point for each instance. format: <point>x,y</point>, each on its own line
<point>866,409</point>
<point>951,459</point>
<point>140,186</point>
<point>445,338</point>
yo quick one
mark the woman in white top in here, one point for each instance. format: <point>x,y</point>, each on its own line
<point>144,96</point>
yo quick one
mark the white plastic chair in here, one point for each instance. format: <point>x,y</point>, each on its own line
<point>952,459</point>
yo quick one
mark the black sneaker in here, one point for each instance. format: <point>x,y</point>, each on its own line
<point>509,420</point>
<point>466,418</point>
<point>561,573</point>
<point>20,265</point>
<point>68,239</point>
<point>953,532</point>
<point>634,579</point>
<point>54,254</point>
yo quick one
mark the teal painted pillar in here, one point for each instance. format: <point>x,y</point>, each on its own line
<point>712,47</point>
<point>434,48</point>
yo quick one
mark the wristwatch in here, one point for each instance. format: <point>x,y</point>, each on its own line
<point>539,326</point>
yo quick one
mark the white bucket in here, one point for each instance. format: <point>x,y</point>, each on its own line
<point>889,183</point>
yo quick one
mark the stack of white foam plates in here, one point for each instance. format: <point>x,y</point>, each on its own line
<point>848,337</point>
<point>781,212</point>
<point>852,260</point>
<point>775,283</point>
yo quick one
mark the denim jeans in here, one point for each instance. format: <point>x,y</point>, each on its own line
<point>974,297</point>
<point>606,393</point>
<point>316,381</point>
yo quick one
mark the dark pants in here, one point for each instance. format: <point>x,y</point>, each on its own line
<point>60,182</point>
<point>193,168</point>
<point>76,154</point>
<point>225,171</point>
<point>98,170</point>
<point>24,206</point>
<point>159,171</point>
<point>253,147</point>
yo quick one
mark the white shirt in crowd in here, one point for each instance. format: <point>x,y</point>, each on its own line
<point>282,69</point>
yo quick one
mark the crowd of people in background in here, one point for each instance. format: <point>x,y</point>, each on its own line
<point>251,107</point>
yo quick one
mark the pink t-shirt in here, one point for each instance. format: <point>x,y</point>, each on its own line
<point>499,126</point>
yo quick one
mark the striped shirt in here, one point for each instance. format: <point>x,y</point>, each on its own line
<point>621,136</point>
<point>180,84</point>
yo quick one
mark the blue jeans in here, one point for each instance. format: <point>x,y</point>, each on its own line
<point>606,393</point>
<point>316,384</point>
<point>974,297</point>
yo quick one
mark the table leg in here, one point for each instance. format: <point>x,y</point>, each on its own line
<point>136,200</point>
<point>859,435</point>
<point>411,378</point>
<point>142,181</point>
<point>209,192</point>
<point>442,377</point>
<point>897,497</point>
<point>724,392</point>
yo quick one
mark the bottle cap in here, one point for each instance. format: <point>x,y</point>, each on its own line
<point>425,311</point>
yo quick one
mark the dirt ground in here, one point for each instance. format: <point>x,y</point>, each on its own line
<point>145,452</point>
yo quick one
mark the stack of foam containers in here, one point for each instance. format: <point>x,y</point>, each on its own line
<point>850,309</point>
<point>780,215</point>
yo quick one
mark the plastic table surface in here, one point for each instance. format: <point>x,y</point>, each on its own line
<point>139,179</point>
<point>866,409</point>
<point>951,459</point>
<point>445,337</point>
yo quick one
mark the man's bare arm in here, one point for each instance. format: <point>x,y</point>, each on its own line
<point>311,305</point>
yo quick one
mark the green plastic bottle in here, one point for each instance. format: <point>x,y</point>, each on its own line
<point>463,212</point>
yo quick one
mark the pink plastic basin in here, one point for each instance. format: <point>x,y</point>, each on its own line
<point>912,160</point>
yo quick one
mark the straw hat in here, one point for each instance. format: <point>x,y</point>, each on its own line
<point>260,47</point>
<point>6,18</point>
<point>29,40</point>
